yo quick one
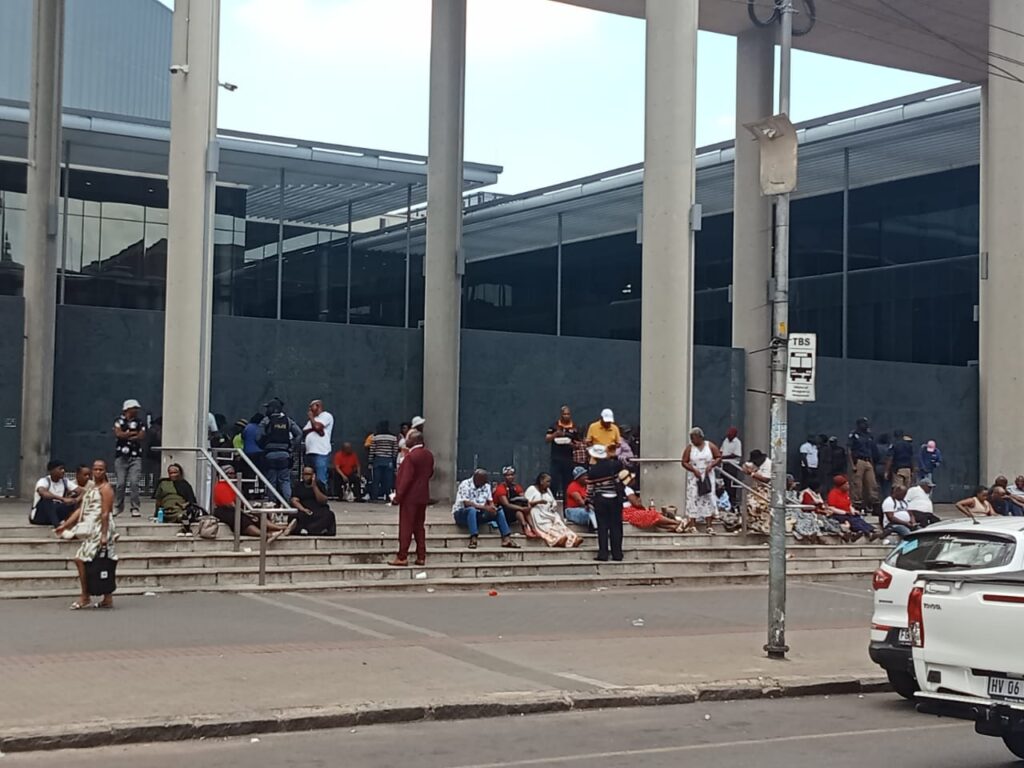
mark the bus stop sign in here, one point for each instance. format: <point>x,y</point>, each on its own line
<point>800,373</point>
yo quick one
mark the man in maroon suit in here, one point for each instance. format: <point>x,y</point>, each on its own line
<point>412,494</point>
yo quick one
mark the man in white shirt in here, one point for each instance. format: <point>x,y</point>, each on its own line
<point>53,501</point>
<point>317,436</point>
<point>809,460</point>
<point>919,503</point>
<point>896,516</point>
<point>732,451</point>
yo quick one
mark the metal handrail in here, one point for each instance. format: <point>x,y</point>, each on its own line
<point>240,499</point>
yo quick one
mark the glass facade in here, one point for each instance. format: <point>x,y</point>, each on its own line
<point>903,253</point>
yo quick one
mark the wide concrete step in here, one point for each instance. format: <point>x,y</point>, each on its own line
<point>131,575</point>
<point>604,580</point>
<point>57,555</point>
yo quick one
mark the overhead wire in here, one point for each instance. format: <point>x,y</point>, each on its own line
<point>885,17</point>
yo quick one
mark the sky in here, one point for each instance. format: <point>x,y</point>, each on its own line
<point>553,92</point>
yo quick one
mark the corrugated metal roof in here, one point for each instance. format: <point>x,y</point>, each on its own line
<point>320,178</point>
<point>116,55</point>
<point>927,133</point>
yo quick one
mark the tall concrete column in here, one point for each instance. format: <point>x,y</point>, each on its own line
<point>192,176</point>
<point>1001,375</point>
<point>40,288</point>
<point>752,232</point>
<point>443,301</point>
<point>666,334</point>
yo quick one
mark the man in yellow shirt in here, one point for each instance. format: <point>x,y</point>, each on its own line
<point>604,432</point>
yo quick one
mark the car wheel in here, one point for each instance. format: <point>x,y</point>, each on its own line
<point>904,683</point>
<point>1015,743</point>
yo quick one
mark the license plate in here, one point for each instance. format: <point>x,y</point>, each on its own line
<point>904,637</point>
<point>1004,688</point>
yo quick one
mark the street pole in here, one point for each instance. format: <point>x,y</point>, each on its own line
<point>776,647</point>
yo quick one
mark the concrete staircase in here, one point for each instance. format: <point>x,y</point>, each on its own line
<point>34,563</point>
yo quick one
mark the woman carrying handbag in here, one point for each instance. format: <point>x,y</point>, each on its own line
<point>93,522</point>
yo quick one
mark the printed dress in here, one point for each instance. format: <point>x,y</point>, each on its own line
<point>90,529</point>
<point>700,508</point>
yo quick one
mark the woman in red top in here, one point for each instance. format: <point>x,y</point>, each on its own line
<point>224,494</point>
<point>842,511</point>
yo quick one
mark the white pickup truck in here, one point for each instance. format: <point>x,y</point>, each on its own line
<point>966,631</point>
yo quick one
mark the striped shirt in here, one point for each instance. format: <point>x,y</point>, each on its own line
<point>603,478</point>
<point>383,447</point>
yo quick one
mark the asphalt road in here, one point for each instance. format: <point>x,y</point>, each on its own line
<point>841,732</point>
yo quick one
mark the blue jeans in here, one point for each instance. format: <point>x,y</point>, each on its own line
<point>469,517</point>
<point>383,478</point>
<point>581,516</point>
<point>319,462</point>
<point>900,530</point>
<point>277,466</point>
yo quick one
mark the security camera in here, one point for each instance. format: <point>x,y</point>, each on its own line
<point>179,69</point>
<point>229,86</point>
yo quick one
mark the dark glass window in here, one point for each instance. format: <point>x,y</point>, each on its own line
<point>254,285</point>
<point>378,287</point>
<point>601,288</point>
<point>512,293</point>
<point>12,228</point>
<point>816,236</point>
<point>919,313</point>
<point>712,312</point>
<point>913,220</point>
<point>417,289</point>
<point>816,306</point>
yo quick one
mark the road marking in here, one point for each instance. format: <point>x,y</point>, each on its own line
<point>373,616</point>
<point>589,680</point>
<point>321,616</point>
<point>707,747</point>
<point>846,592</point>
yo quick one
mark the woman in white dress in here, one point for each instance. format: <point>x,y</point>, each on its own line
<point>700,458</point>
<point>548,524</point>
<point>92,522</point>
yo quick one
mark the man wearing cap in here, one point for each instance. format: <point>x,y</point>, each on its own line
<point>605,491</point>
<point>576,505</point>
<point>919,503</point>
<point>317,436</point>
<point>129,430</point>
<point>604,431</point>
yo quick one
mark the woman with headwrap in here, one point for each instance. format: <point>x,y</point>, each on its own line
<point>173,494</point>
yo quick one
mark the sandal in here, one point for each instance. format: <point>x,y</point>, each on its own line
<point>104,605</point>
<point>77,606</point>
<point>472,542</point>
<point>509,544</point>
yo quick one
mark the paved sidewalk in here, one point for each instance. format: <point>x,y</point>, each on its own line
<point>240,658</point>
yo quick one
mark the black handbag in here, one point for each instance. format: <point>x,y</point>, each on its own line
<point>100,574</point>
<point>703,485</point>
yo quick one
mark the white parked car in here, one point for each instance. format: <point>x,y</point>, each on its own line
<point>966,630</point>
<point>991,545</point>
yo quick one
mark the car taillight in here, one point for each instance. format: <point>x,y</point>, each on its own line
<point>915,617</point>
<point>881,580</point>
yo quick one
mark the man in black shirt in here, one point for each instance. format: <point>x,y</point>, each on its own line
<point>900,463</point>
<point>561,436</point>
<point>863,457</point>
<point>605,492</point>
<point>129,430</point>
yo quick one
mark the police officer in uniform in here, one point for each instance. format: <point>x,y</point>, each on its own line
<point>279,434</point>
<point>863,454</point>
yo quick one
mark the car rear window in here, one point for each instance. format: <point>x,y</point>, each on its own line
<point>952,551</point>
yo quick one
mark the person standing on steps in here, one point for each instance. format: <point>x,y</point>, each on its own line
<point>130,431</point>
<point>92,522</point>
<point>605,491</point>
<point>317,434</point>
<point>412,495</point>
<point>279,434</point>
<point>561,436</point>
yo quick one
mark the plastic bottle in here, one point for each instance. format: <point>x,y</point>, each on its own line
<point>160,515</point>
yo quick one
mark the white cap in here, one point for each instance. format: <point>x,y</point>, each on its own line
<point>598,451</point>
<point>607,416</point>
<point>417,422</point>
<point>130,404</point>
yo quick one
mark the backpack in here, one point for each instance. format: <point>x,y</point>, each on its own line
<point>277,434</point>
